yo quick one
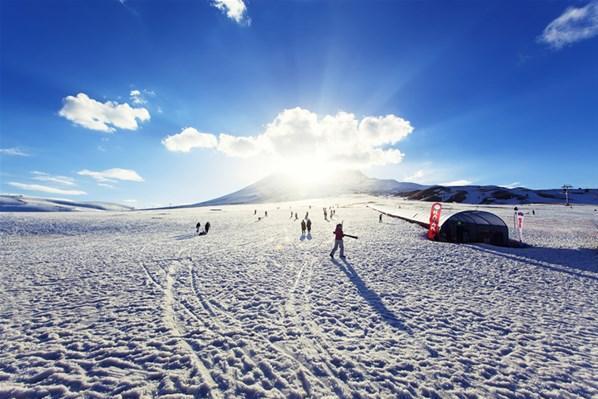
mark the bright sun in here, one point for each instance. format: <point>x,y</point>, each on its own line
<point>306,171</point>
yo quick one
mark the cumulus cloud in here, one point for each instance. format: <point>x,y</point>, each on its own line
<point>235,146</point>
<point>64,180</point>
<point>112,175</point>
<point>103,117</point>
<point>45,189</point>
<point>575,24</point>
<point>298,134</point>
<point>234,9</point>
<point>188,139</point>
<point>13,152</point>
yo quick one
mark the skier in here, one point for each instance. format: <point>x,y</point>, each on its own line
<point>303,227</point>
<point>197,226</point>
<point>380,219</point>
<point>308,224</point>
<point>338,241</point>
<point>207,227</point>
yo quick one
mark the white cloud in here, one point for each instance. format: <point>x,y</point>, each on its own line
<point>104,117</point>
<point>64,180</point>
<point>112,175</point>
<point>188,139</point>
<point>573,25</point>
<point>130,201</point>
<point>45,189</point>
<point>138,97</point>
<point>462,182</point>
<point>15,152</point>
<point>241,147</point>
<point>415,177</point>
<point>297,135</point>
<point>234,9</point>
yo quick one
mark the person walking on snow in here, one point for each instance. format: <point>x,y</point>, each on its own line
<point>338,241</point>
<point>308,224</point>
<point>302,227</point>
<point>380,219</point>
<point>207,227</point>
<point>197,226</point>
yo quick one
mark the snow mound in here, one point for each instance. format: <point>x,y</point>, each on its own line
<point>501,195</point>
<point>20,203</point>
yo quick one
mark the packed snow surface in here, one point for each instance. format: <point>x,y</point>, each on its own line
<point>136,304</point>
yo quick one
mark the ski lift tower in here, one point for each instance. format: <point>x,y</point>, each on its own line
<point>566,188</point>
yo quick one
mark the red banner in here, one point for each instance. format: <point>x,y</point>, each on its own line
<point>434,220</point>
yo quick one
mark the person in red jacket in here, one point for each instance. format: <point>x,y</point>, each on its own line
<point>338,241</point>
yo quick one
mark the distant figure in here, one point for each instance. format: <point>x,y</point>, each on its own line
<point>197,226</point>
<point>255,211</point>
<point>207,227</point>
<point>302,227</point>
<point>533,212</point>
<point>296,217</point>
<point>338,241</point>
<point>308,224</point>
<point>265,213</point>
<point>380,219</point>
<point>291,215</point>
<point>306,215</point>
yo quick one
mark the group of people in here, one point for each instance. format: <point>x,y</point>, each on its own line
<point>306,225</point>
<point>206,228</point>
<point>328,211</point>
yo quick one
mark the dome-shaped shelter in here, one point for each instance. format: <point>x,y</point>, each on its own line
<point>474,226</point>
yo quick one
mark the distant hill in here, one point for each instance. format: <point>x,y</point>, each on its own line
<point>21,203</point>
<point>280,188</point>
<point>501,195</point>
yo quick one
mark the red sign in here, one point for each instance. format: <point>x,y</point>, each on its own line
<point>434,220</point>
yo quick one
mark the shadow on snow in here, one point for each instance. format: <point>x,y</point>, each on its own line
<point>372,298</point>
<point>576,262</point>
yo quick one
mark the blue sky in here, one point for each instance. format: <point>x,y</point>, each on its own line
<point>158,102</point>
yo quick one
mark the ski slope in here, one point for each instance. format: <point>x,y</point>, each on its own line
<point>136,305</point>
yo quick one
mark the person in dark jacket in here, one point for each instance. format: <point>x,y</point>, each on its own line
<point>207,227</point>
<point>338,241</point>
<point>380,219</point>
<point>308,224</point>
<point>197,226</point>
<point>302,227</point>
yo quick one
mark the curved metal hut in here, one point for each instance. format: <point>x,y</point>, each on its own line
<point>474,226</point>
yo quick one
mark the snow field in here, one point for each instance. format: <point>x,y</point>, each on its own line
<point>136,305</point>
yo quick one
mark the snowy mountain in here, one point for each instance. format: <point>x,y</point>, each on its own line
<point>20,203</point>
<point>502,195</point>
<point>279,187</point>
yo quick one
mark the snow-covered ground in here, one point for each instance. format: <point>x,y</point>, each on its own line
<point>136,305</point>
